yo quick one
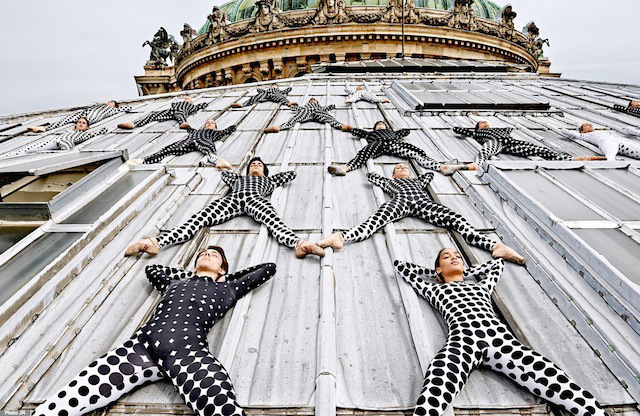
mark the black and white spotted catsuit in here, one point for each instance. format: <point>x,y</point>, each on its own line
<point>388,142</point>
<point>173,345</point>
<point>269,94</point>
<point>499,140</point>
<point>312,112</point>
<point>477,337</point>
<point>633,111</point>
<point>411,199</point>
<point>66,141</point>
<point>93,115</point>
<point>247,197</point>
<point>362,95</point>
<point>179,111</point>
<point>202,141</point>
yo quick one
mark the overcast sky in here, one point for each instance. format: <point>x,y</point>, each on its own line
<point>58,53</point>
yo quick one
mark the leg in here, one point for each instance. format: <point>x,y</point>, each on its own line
<point>489,148</point>
<point>177,149</point>
<point>104,381</point>
<point>42,144</point>
<point>153,116</point>
<point>253,100</point>
<point>204,384</point>
<point>444,217</point>
<point>70,119</point>
<point>261,210</point>
<point>409,151</point>
<point>297,118</point>
<point>370,151</point>
<point>390,211</point>
<point>219,211</point>
<point>629,149</point>
<point>445,377</point>
<point>524,149</point>
<point>541,377</point>
<point>326,118</point>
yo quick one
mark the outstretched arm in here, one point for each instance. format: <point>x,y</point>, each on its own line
<point>283,178</point>
<point>415,275</point>
<point>244,281</point>
<point>425,180</point>
<point>223,133</point>
<point>229,178</point>
<point>329,107</point>
<point>402,133</point>
<point>286,91</point>
<point>492,270</point>
<point>124,108</point>
<point>378,180</point>
<point>463,131</point>
<point>161,276</point>
<point>363,134</point>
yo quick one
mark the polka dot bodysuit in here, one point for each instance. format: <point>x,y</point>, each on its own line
<point>179,111</point>
<point>66,141</point>
<point>172,345</point>
<point>93,115</point>
<point>312,112</point>
<point>388,142</point>
<point>248,196</point>
<point>477,337</point>
<point>411,199</point>
<point>498,140</point>
<point>632,111</point>
<point>202,141</point>
<point>362,95</point>
<point>274,95</point>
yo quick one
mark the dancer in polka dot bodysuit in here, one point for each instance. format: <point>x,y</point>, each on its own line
<point>202,141</point>
<point>477,337</point>
<point>384,141</point>
<point>179,111</point>
<point>633,108</point>
<point>312,111</point>
<point>411,199</point>
<point>66,141</point>
<point>172,345</point>
<point>92,114</point>
<point>363,94</point>
<point>247,197</point>
<point>499,140</point>
<point>273,94</point>
<point>610,146</point>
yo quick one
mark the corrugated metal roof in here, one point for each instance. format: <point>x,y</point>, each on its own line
<point>345,333</point>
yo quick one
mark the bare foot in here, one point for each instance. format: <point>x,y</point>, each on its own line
<point>335,241</point>
<point>346,127</point>
<point>37,129</point>
<point>272,129</point>
<point>134,162</point>
<point>148,245</point>
<point>185,126</point>
<point>338,170</point>
<point>501,250</point>
<point>293,104</point>
<point>223,164</point>
<point>386,100</point>
<point>304,247</point>
<point>449,170</point>
<point>589,158</point>
<point>127,126</point>
<point>472,166</point>
<point>236,105</point>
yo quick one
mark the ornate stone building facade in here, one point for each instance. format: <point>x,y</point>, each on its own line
<point>247,41</point>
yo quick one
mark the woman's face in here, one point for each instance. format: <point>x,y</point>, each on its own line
<point>380,125</point>
<point>211,125</point>
<point>209,260</point>
<point>451,263</point>
<point>401,171</point>
<point>256,168</point>
<point>82,125</point>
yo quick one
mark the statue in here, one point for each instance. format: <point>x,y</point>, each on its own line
<point>218,29</point>
<point>330,12</point>
<point>187,34</point>
<point>161,47</point>
<point>534,42</point>
<point>267,17</point>
<point>462,16</point>
<point>393,13</point>
<point>507,27</point>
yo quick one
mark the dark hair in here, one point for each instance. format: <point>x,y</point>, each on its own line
<point>437,262</point>
<point>115,103</point>
<point>381,121</point>
<point>85,119</point>
<point>225,263</point>
<point>266,169</point>
<point>478,125</point>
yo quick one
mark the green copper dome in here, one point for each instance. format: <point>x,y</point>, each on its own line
<point>245,9</point>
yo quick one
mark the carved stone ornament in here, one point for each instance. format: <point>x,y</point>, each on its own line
<point>393,13</point>
<point>267,17</point>
<point>218,29</point>
<point>162,46</point>
<point>507,28</point>
<point>462,16</point>
<point>188,33</point>
<point>534,42</point>
<point>330,12</point>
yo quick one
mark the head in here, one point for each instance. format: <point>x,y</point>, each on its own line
<point>188,100</point>
<point>380,125</point>
<point>634,103</point>
<point>211,260</point>
<point>211,124</point>
<point>359,88</point>
<point>275,86</point>
<point>257,167</point>
<point>586,128</point>
<point>481,125</point>
<point>82,124</point>
<point>313,101</point>
<point>449,265</point>
<point>113,104</point>
<point>401,171</point>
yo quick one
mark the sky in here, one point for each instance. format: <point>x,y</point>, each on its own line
<point>60,53</point>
